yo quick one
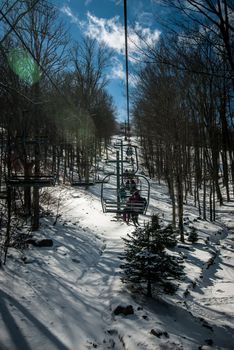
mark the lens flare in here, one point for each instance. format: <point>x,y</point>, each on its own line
<point>23,64</point>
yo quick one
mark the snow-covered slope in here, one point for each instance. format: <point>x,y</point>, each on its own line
<point>63,297</point>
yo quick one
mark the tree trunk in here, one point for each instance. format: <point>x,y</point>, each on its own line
<point>211,202</point>
<point>180,206</point>
<point>27,190</point>
<point>225,173</point>
<point>36,207</point>
<point>204,186</point>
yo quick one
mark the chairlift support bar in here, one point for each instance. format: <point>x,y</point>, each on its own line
<point>81,184</point>
<point>100,181</point>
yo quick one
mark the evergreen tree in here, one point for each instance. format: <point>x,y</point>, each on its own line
<point>193,236</point>
<point>146,260</point>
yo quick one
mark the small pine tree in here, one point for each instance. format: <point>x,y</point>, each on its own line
<point>193,236</point>
<point>146,260</point>
<point>169,236</point>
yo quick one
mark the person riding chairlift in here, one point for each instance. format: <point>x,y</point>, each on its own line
<point>133,186</point>
<point>122,193</point>
<point>129,212</point>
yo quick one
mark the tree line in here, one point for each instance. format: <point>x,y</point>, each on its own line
<point>56,114</point>
<point>183,106</point>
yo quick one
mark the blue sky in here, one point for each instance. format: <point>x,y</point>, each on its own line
<point>103,20</point>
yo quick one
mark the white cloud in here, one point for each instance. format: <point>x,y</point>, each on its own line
<point>111,32</point>
<point>68,12</point>
<point>108,31</point>
<point>118,72</point>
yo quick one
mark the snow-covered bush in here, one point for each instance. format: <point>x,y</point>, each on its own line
<point>146,259</point>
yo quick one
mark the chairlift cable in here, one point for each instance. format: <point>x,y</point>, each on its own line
<point>126,66</point>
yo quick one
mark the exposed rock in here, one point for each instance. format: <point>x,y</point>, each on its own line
<point>205,324</point>
<point>46,242</point>
<point>194,284</point>
<point>27,260</point>
<point>158,333</point>
<point>125,310</point>
<point>112,331</point>
<point>32,241</point>
<point>209,341</point>
<point>183,246</point>
<point>211,261</point>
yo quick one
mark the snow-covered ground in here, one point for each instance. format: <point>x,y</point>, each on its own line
<point>63,297</point>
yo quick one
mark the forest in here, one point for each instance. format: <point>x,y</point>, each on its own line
<point>57,116</point>
<point>116,232</point>
<point>183,106</point>
<point>56,113</point>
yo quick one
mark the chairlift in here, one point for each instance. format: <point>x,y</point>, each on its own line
<point>112,201</point>
<point>99,180</point>
<point>79,180</point>
<point>129,151</point>
<point>118,142</point>
<point>111,198</point>
<point>82,182</point>
<point>31,181</point>
<point>132,156</point>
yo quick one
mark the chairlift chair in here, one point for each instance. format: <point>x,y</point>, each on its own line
<point>81,182</point>
<point>111,200</point>
<point>31,181</point>
<point>78,181</point>
<point>129,151</point>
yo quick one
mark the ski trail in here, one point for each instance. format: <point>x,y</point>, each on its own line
<point>100,282</point>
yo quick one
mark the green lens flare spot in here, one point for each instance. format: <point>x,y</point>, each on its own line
<point>23,64</point>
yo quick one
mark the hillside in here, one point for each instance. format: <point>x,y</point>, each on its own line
<point>63,297</point>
